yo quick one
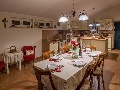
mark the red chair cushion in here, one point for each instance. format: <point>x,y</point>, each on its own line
<point>30,57</point>
<point>2,64</point>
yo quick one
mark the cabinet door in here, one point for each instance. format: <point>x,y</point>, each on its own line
<point>54,46</point>
<point>109,43</point>
<point>106,24</point>
<point>102,24</point>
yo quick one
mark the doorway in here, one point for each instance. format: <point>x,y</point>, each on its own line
<point>117,35</point>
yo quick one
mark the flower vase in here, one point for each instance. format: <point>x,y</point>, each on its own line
<point>74,54</point>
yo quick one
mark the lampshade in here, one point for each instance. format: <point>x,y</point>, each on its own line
<point>83,17</point>
<point>90,25</point>
<point>73,13</point>
<point>97,24</point>
<point>63,19</point>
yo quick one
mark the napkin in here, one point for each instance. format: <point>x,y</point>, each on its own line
<point>55,68</point>
<point>58,70</point>
<point>55,60</point>
<point>79,64</point>
<point>69,52</point>
<point>84,50</point>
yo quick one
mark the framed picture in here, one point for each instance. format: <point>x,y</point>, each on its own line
<point>35,24</point>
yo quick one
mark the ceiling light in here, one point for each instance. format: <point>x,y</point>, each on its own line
<point>90,25</point>
<point>97,24</point>
<point>63,19</point>
<point>83,17</point>
<point>73,13</point>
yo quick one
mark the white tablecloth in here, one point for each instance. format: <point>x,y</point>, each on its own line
<point>10,58</point>
<point>70,76</point>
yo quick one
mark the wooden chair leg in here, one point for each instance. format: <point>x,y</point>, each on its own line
<point>103,82</point>
<point>98,78</point>
<point>3,70</point>
<point>91,80</point>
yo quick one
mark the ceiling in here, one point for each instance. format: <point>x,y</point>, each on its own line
<point>54,8</point>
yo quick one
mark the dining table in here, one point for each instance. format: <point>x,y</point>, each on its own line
<point>71,72</point>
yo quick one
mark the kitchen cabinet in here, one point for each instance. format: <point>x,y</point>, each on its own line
<point>49,46</point>
<point>80,25</point>
<point>109,43</point>
<point>106,24</point>
<point>101,44</point>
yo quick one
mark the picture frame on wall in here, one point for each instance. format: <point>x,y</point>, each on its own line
<point>35,24</point>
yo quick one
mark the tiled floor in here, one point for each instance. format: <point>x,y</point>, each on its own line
<point>26,80</point>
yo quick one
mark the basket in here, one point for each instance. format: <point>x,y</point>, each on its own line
<point>12,49</point>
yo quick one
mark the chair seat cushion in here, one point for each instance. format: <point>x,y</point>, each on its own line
<point>2,64</point>
<point>97,71</point>
<point>86,85</point>
<point>30,57</point>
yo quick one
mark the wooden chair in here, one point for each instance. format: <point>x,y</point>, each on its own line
<point>52,52</point>
<point>65,49</point>
<point>45,55</point>
<point>40,73</point>
<point>93,48</point>
<point>86,84</point>
<point>28,54</point>
<point>98,69</point>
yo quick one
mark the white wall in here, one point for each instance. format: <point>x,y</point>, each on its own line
<point>20,37</point>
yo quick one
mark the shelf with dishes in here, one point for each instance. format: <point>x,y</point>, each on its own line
<point>29,23</point>
<point>43,24</point>
<point>20,23</point>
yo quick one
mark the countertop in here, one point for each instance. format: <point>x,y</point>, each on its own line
<point>91,38</point>
<point>51,41</point>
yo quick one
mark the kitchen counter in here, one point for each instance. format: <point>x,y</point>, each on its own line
<point>91,38</point>
<point>101,44</point>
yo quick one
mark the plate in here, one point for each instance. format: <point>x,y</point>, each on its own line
<point>77,63</point>
<point>55,57</point>
<point>92,55</point>
<point>52,66</point>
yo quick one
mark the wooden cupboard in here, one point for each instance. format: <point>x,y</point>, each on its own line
<point>49,46</point>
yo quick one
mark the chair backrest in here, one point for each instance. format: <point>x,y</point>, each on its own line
<point>38,74</point>
<point>93,48</point>
<point>65,49</point>
<point>28,48</point>
<point>46,55</point>
<point>52,52</point>
<point>100,61</point>
<point>89,71</point>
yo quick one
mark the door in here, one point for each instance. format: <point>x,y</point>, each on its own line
<point>117,35</point>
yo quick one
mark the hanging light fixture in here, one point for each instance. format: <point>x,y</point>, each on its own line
<point>63,19</point>
<point>83,16</point>
<point>73,13</point>
<point>94,25</point>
